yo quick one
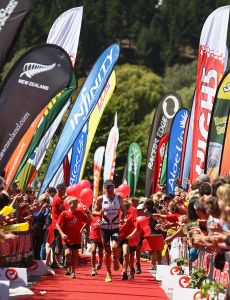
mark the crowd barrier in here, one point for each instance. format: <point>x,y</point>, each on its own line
<point>17,252</point>
<point>206,260</point>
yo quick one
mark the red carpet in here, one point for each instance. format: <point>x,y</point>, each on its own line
<point>86,287</point>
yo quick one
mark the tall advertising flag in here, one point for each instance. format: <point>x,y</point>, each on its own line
<point>65,31</point>
<point>225,161</point>
<point>159,160</point>
<point>35,79</point>
<point>110,152</point>
<point>218,126</point>
<point>84,104</point>
<point>98,159</point>
<point>161,125</point>
<point>12,16</point>
<point>133,166</point>
<point>175,147</point>
<point>210,70</point>
<point>85,138</point>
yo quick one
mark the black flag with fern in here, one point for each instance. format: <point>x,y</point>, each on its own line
<point>35,79</point>
<point>12,15</point>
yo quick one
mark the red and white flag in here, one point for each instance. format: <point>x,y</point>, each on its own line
<point>210,69</point>
<point>110,151</point>
<point>98,159</point>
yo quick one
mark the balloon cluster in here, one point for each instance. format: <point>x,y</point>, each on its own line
<point>82,191</point>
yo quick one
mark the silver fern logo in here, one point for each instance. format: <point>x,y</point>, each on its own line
<point>32,69</point>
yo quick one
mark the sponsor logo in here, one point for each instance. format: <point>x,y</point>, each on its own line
<point>170,106</point>
<point>80,152</point>
<point>11,274</point>
<point>133,162</point>
<point>32,69</point>
<point>184,282</point>
<point>174,172</point>
<point>87,95</point>
<point>74,220</point>
<point>227,88</point>
<point>6,13</point>
<point>175,271</point>
<point>34,266</point>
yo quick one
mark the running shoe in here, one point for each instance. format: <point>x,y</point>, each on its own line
<point>93,272</point>
<point>98,266</point>
<point>73,275</point>
<point>68,271</point>
<point>138,268</point>
<point>132,273</point>
<point>116,264</point>
<point>108,277</point>
<point>124,276</point>
<point>49,271</point>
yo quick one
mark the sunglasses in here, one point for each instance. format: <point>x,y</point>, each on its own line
<point>110,187</point>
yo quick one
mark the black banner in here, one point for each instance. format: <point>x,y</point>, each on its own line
<point>35,79</point>
<point>12,16</point>
<point>161,125</point>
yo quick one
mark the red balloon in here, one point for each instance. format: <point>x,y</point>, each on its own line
<point>124,188</point>
<point>65,203</point>
<point>146,231</point>
<point>86,197</point>
<point>121,194</point>
<point>84,183</point>
<point>142,221</point>
<point>74,190</point>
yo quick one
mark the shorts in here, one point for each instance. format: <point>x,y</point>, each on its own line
<point>124,242</point>
<point>98,244</point>
<point>107,234</point>
<point>132,249</point>
<point>72,246</point>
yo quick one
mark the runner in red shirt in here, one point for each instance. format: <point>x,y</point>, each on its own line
<point>96,242</point>
<point>69,225</point>
<point>124,231</point>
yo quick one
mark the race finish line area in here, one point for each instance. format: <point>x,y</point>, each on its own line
<point>87,287</point>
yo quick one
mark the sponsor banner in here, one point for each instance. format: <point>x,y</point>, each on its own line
<point>175,147</point>
<point>38,268</point>
<point>206,261</point>
<point>161,125</point>
<point>110,152</point>
<point>159,161</point>
<point>211,59</point>
<point>172,280</point>
<point>4,289</point>
<point>164,167</point>
<point>12,16</point>
<point>65,31</point>
<point>98,159</point>
<point>85,139</point>
<point>34,163</point>
<point>218,126</point>
<point>133,166</point>
<point>84,104</point>
<point>18,252</point>
<point>16,276</point>
<point>35,79</point>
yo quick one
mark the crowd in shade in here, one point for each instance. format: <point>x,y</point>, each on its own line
<point>189,221</point>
